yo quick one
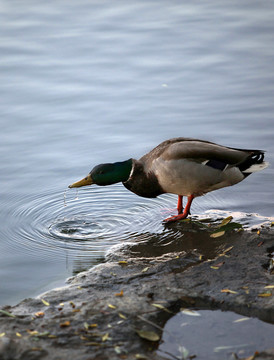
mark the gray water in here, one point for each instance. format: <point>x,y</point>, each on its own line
<point>218,335</point>
<point>95,81</point>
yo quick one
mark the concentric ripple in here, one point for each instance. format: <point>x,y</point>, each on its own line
<point>86,222</point>
<point>92,221</point>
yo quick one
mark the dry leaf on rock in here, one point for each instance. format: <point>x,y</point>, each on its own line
<point>148,335</point>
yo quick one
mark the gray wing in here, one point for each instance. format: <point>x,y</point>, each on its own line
<point>202,151</point>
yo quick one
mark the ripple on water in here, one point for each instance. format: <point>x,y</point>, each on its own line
<point>88,221</point>
<point>94,220</point>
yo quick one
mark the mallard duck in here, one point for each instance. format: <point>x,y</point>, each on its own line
<point>181,166</point>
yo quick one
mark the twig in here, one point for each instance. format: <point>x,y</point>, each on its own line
<point>150,322</point>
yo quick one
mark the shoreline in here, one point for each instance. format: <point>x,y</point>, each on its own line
<point>97,314</point>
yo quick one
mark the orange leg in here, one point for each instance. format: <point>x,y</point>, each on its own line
<point>185,213</point>
<point>180,204</point>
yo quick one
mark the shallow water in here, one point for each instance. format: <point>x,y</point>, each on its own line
<point>84,83</point>
<point>214,335</point>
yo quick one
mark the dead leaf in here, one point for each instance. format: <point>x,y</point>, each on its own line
<point>93,343</point>
<point>7,313</point>
<point>2,334</point>
<point>32,332</point>
<point>145,269</point>
<point>117,349</point>
<point>122,316</point>
<point>229,227</point>
<point>228,347</point>
<point>185,220</point>
<point>217,234</point>
<point>229,291</point>
<point>88,326</point>
<point>161,307</point>
<point>148,335</point>
<point>214,267</point>
<point>122,262</point>
<point>228,249</point>
<point>93,325</point>
<point>72,304</point>
<point>65,324</point>
<point>141,357</point>
<point>265,294</point>
<point>112,306</point>
<point>241,319</point>
<point>18,334</point>
<point>269,287</point>
<point>39,314</point>
<point>226,221</point>
<point>105,337</point>
<point>45,302</point>
<point>121,293</point>
<point>190,312</point>
<point>44,333</point>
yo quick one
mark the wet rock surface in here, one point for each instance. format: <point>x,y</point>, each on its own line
<point>103,313</point>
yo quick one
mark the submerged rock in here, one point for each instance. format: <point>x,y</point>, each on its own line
<point>117,310</point>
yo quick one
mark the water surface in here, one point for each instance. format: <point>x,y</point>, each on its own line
<point>218,335</point>
<point>89,82</point>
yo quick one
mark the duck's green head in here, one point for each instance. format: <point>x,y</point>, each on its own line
<point>106,174</point>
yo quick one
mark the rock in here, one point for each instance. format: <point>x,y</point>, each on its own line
<point>97,314</point>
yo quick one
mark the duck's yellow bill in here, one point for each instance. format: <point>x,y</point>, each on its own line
<point>84,182</point>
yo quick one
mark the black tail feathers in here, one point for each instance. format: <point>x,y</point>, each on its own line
<point>254,162</point>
